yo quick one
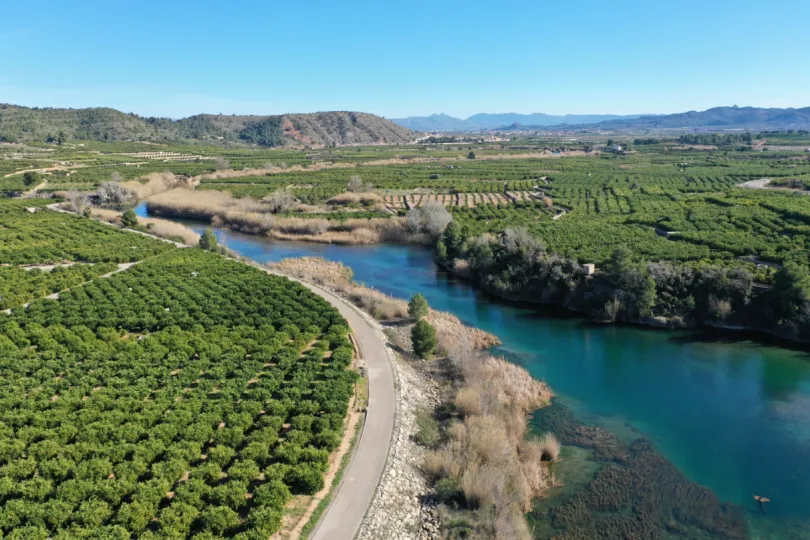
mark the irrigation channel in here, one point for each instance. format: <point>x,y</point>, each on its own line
<point>710,408</point>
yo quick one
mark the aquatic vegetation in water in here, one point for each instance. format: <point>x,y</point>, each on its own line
<point>636,494</point>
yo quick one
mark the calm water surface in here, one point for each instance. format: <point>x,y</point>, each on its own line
<point>732,415</point>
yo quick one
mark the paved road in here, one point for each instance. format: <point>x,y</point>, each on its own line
<point>344,516</point>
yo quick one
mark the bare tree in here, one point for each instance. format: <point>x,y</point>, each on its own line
<point>78,201</point>
<point>269,166</point>
<point>431,217</point>
<point>612,308</point>
<point>280,201</point>
<point>355,184</point>
<point>116,176</point>
<point>222,163</point>
<point>113,193</point>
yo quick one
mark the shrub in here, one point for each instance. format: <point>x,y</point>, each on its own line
<point>423,339</point>
<point>427,430</point>
<point>448,492</point>
<point>208,240</point>
<point>355,183</point>
<point>31,178</point>
<point>129,219</point>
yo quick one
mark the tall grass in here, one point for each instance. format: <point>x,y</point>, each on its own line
<point>486,453</point>
<point>348,198</point>
<point>159,227</point>
<point>155,183</point>
<point>250,216</point>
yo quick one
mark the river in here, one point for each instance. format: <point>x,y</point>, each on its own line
<point>732,415</point>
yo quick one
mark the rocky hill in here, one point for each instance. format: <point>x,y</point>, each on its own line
<point>315,129</point>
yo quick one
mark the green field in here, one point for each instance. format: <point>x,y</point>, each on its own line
<point>187,395</point>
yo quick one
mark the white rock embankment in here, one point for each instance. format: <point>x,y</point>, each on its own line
<point>402,508</point>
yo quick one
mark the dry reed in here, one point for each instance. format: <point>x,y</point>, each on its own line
<point>247,215</point>
<point>344,199</point>
<point>154,183</point>
<point>486,453</point>
<point>549,447</point>
<point>159,227</point>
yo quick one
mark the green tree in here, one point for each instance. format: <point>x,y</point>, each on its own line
<point>471,155</point>
<point>646,297</point>
<point>441,250</point>
<point>219,519</point>
<point>418,307</point>
<point>31,178</point>
<point>129,219</point>
<point>423,339</point>
<point>620,264</point>
<point>791,288</point>
<point>176,520</point>
<point>453,239</point>
<point>265,520</point>
<point>208,240</point>
<point>61,137</point>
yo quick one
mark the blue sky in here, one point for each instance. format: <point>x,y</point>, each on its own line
<point>406,58</point>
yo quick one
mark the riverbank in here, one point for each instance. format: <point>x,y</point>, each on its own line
<point>469,423</point>
<point>580,298</point>
<point>254,217</point>
<point>626,379</point>
<point>404,479</point>
<point>575,307</point>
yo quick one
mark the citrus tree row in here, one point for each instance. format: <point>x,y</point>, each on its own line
<point>47,236</point>
<point>189,396</point>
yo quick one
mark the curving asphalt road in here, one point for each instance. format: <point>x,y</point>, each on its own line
<point>345,514</point>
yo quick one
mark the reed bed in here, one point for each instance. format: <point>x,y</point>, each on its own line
<point>159,227</point>
<point>486,454</point>
<point>249,216</point>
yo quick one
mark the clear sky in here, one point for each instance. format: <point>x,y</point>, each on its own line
<point>176,58</point>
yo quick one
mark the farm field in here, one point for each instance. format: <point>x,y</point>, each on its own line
<point>665,200</point>
<point>187,395</point>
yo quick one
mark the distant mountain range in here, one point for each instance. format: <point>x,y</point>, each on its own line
<point>716,118</point>
<point>325,128</point>
<point>719,118</point>
<point>443,122</point>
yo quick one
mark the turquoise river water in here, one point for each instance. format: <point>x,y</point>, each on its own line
<point>732,415</point>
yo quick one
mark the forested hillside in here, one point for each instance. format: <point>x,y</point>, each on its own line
<point>316,129</point>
